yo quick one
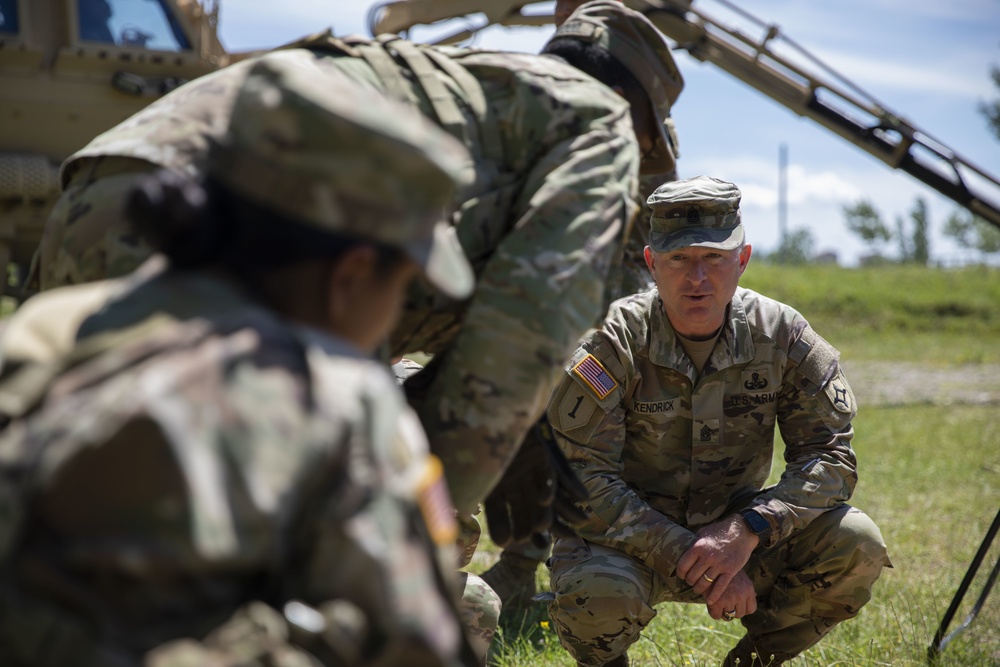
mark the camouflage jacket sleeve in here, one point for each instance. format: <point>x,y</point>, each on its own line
<point>815,410</point>
<point>261,462</point>
<point>543,286</point>
<point>588,414</point>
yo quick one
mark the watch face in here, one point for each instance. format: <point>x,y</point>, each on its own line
<point>757,523</point>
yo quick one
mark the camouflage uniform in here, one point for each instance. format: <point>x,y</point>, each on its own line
<point>219,514</point>
<point>513,575</point>
<point>190,478</point>
<point>543,217</point>
<point>665,451</point>
<point>542,221</point>
<point>480,605</point>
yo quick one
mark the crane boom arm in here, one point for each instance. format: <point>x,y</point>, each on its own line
<point>798,81</point>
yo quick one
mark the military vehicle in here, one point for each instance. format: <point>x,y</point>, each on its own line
<point>71,69</point>
<point>789,75</point>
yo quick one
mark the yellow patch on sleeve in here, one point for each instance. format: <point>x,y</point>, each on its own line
<point>595,376</point>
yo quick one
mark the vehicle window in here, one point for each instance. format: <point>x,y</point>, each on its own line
<point>147,24</point>
<point>8,16</point>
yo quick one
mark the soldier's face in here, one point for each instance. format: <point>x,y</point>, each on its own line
<point>365,302</point>
<point>696,286</point>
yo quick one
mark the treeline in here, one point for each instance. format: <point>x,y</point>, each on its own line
<point>908,241</point>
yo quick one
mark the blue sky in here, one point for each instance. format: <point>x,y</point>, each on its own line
<point>924,60</point>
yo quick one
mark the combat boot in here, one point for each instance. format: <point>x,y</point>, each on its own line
<point>620,661</point>
<point>513,579</point>
<point>745,654</point>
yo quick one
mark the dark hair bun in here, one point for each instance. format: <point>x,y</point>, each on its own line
<point>172,213</point>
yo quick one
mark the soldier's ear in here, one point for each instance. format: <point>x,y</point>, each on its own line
<point>745,252</point>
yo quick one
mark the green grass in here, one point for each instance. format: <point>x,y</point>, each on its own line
<point>929,476</point>
<point>931,479</point>
<point>893,312</point>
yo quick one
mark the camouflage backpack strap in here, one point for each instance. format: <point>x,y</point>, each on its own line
<point>388,71</point>
<point>448,113</point>
<point>481,137</point>
<point>321,41</point>
<point>487,124</point>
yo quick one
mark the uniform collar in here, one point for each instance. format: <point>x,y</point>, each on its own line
<point>734,346</point>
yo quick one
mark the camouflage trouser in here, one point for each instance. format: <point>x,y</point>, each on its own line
<point>87,236</point>
<point>805,586</point>
<point>480,606</point>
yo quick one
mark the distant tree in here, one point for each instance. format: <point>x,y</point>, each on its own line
<point>864,221</point>
<point>972,232</point>
<point>903,241</point>
<point>920,249</point>
<point>796,248</point>
<point>991,110</point>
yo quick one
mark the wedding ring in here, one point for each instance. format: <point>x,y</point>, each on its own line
<point>708,579</point>
<point>729,615</point>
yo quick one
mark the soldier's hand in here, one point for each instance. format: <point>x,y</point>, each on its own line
<point>537,493</point>
<point>717,556</point>
<point>738,600</point>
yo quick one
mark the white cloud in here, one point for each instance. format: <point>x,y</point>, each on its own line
<point>825,186</point>
<point>891,73</point>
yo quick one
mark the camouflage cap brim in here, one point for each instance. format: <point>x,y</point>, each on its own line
<point>444,262</point>
<point>317,147</point>
<point>698,237</point>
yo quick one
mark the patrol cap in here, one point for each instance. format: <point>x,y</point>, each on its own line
<point>312,145</point>
<point>634,41</point>
<point>700,211</point>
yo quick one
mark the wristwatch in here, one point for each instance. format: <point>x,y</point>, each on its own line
<point>757,524</point>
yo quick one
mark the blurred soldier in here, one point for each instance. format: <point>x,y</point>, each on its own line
<point>668,414</point>
<point>550,191</point>
<point>205,465</point>
<point>513,576</point>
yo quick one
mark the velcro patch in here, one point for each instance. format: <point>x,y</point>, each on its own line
<point>595,376</point>
<point>820,363</point>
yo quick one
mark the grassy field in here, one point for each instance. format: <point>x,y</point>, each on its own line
<point>905,313</point>
<point>929,476</point>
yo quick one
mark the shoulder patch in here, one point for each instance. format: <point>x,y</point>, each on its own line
<point>819,361</point>
<point>593,374</point>
<point>574,409</point>
<point>839,393</point>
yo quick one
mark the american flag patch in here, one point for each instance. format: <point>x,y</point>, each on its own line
<point>594,374</point>
<point>435,504</point>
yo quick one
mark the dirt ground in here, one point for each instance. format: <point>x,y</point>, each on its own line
<point>886,383</point>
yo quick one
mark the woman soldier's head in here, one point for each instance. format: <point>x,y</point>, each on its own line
<point>323,199</point>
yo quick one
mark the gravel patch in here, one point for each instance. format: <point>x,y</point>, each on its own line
<point>889,383</point>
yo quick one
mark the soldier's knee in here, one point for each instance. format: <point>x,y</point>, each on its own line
<point>480,603</point>
<point>601,611</point>
<point>480,612</point>
<point>870,552</point>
